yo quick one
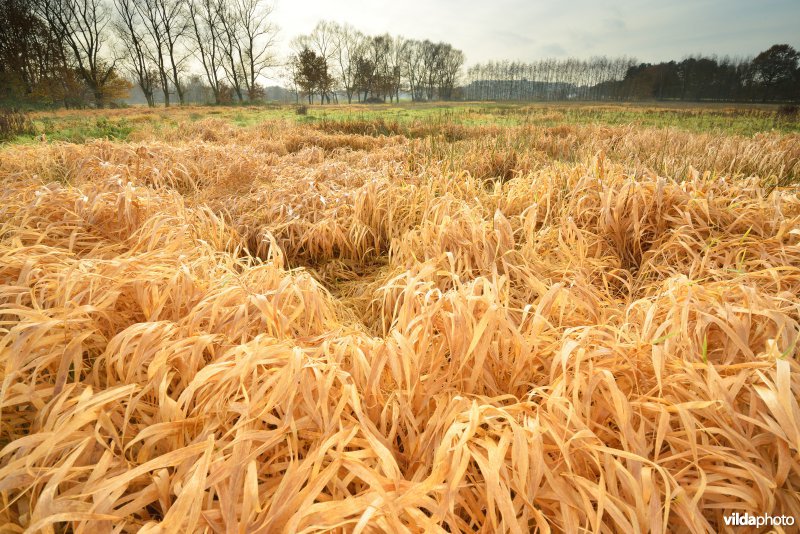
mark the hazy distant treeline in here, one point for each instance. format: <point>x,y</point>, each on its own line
<point>547,79</point>
<point>79,53</point>
<point>772,75</point>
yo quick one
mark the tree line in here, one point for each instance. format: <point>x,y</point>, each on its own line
<point>547,79</point>
<point>337,58</point>
<point>90,52</point>
<point>79,53</point>
<point>771,76</point>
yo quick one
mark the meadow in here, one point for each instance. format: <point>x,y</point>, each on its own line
<point>452,318</point>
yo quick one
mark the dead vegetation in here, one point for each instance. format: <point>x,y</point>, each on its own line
<point>286,329</point>
<point>14,123</point>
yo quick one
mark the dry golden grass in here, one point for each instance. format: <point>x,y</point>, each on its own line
<point>297,329</point>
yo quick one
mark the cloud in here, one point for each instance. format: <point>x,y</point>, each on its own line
<point>512,39</point>
<point>651,30</point>
<point>614,24</point>
<point>553,50</point>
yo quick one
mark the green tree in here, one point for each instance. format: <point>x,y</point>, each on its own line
<point>775,66</point>
<point>310,71</point>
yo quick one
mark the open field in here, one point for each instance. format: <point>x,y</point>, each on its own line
<point>471,318</point>
<point>78,126</point>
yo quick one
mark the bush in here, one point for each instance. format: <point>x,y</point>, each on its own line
<point>107,129</point>
<point>14,123</point>
<point>788,112</point>
<point>302,109</point>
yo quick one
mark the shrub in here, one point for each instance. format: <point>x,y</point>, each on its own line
<point>13,123</point>
<point>788,112</point>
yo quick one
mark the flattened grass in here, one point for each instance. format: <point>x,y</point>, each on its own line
<point>306,328</point>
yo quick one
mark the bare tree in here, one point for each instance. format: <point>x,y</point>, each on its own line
<point>175,26</point>
<point>248,42</point>
<point>231,47</point>
<point>597,78</point>
<point>412,66</point>
<point>167,26</point>
<point>298,65</point>
<point>291,74</point>
<point>81,25</point>
<point>149,13</point>
<point>396,62</point>
<point>451,64</point>
<point>130,28</point>
<point>323,41</point>
<point>349,45</point>
<point>432,55</point>
<point>380,67</point>
<point>371,67</point>
<point>259,36</point>
<point>207,34</point>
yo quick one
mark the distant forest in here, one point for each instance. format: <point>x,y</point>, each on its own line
<point>771,76</point>
<point>97,53</point>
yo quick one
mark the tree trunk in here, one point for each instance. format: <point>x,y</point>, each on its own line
<point>179,90</point>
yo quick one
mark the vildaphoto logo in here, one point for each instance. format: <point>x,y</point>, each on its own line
<point>749,520</point>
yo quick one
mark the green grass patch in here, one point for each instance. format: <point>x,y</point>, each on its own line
<point>415,119</point>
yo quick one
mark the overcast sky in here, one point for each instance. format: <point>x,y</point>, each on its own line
<point>528,30</point>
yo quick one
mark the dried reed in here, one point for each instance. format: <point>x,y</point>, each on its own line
<point>284,329</point>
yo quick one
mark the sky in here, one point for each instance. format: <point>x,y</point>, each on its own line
<point>528,30</point>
